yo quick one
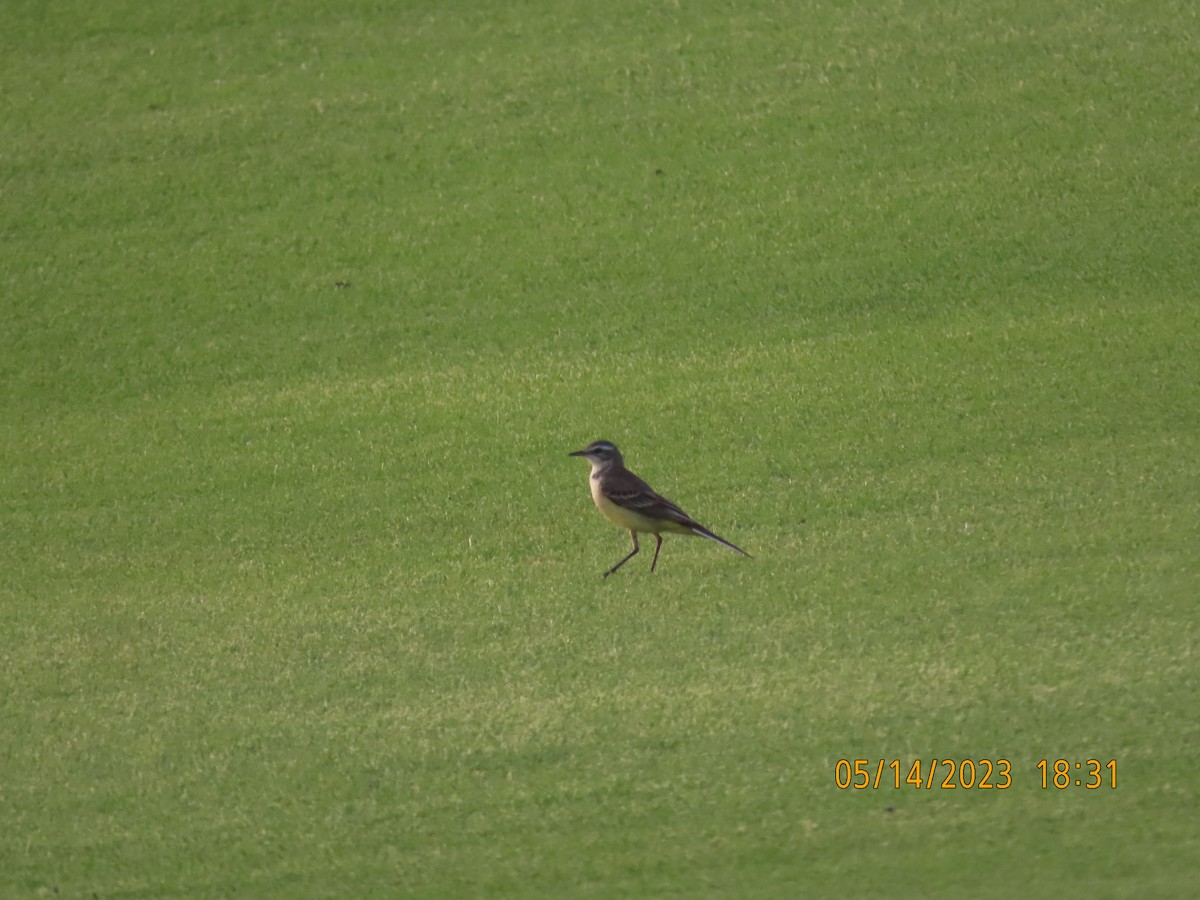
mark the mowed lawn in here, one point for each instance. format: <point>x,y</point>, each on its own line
<point>303,306</point>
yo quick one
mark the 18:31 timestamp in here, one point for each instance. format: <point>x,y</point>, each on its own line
<point>1090,773</point>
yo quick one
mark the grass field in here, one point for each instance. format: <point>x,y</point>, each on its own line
<point>304,306</point>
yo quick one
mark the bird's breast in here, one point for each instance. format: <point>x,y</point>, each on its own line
<point>597,495</point>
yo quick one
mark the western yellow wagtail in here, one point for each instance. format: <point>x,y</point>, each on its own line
<point>632,504</point>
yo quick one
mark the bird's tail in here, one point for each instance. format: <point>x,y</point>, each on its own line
<point>704,532</point>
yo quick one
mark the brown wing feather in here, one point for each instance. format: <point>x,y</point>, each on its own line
<point>632,493</point>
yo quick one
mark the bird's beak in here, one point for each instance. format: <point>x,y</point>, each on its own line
<point>577,453</point>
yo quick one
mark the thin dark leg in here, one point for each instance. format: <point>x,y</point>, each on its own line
<point>632,554</point>
<point>657,547</point>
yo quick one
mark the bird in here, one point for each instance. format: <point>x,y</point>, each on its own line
<point>632,504</point>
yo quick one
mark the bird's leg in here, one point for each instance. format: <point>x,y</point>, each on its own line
<point>632,554</point>
<point>657,547</point>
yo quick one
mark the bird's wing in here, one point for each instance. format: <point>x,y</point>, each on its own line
<point>629,491</point>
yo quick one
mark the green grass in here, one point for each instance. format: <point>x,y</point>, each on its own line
<point>305,304</point>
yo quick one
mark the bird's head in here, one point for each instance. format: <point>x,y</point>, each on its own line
<point>601,454</point>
